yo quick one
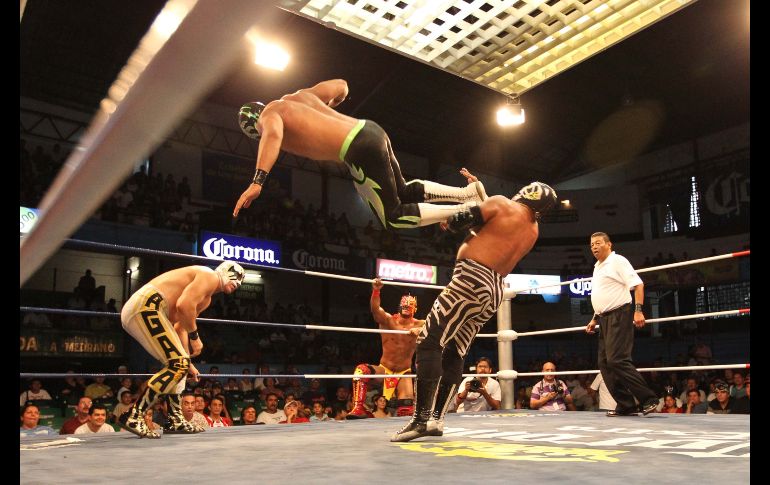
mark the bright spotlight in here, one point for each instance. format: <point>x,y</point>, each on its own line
<point>511,114</point>
<point>270,55</point>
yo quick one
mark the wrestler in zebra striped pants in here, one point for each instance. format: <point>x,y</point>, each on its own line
<point>463,307</point>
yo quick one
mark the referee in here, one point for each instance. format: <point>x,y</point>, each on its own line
<point>613,279</point>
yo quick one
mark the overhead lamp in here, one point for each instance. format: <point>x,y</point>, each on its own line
<point>267,54</point>
<point>512,113</point>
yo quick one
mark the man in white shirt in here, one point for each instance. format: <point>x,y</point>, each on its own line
<point>606,403</point>
<point>271,415</point>
<point>97,417</point>
<point>479,393</point>
<point>613,280</point>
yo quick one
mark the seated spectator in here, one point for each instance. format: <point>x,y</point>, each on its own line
<point>380,407</point>
<point>479,393</point>
<point>188,404</point>
<point>737,390</point>
<point>670,405</point>
<point>152,425</point>
<point>99,390</point>
<point>126,400</point>
<point>582,396</point>
<point>231,385</point>
<point>30,427</point>
<point>34,393</point>
<point>315,393</point>
<point>270,388</point>
<point>692,383</point>
<point>318,412</point>
<point>551,394</point>
<point>125,387</point>
<point>201,405</point>
<point>216,409</point>
<point>249,415</point>
<point>245,384</point>
<point>71,391</point>
<point>340,414</point>
<point>80,417</point>
<point>723,403</point>
<point>97,421</point>
<point>291,410</point>
<point>694,403</point>
<point>522,400</point>
<point>742,405</point>
<point>271,414</point>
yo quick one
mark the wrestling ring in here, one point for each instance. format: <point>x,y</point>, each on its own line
<point>576,446</point>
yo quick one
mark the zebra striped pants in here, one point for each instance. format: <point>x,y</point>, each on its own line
<point>459,312</point>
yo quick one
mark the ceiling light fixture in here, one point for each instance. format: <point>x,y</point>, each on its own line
<point>512,113</point>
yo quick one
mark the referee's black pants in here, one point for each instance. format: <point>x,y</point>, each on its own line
<point>616,344</point>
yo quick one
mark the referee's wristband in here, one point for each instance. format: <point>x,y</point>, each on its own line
<point>193,335</point>
<point>638,307</point>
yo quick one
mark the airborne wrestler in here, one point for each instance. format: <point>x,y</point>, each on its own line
<point>305,124</point>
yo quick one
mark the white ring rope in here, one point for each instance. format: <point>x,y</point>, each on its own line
<point>737,254</point>
<point>649,320</point>
<point>88,313</point>
<point>499,375</point>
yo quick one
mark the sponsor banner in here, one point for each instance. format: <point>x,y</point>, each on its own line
<point>580,289</point>
<point>238,248</point>
<point>27,219</point>
<point>405,271</point>
<point>225,176</point>
<point>324,261</point>
<point>56,343</point>
<point>520,281</point>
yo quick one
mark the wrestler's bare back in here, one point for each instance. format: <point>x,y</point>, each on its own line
<point>172,283</point>
<point>310,128</point>
<point>503,240</point>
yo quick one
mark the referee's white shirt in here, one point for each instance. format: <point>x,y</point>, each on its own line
<point>612,282</point>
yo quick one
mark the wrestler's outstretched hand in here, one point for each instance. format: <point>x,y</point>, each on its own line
<point>192,373</point>
<point>471,178</point>
<point>251,193</point>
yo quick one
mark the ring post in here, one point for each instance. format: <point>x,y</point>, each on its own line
<point>505,353</point>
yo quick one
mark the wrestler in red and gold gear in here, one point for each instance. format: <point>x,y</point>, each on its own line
<point>397,353</point>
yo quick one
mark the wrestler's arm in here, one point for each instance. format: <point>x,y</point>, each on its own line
<point>468,175</point>
<point>271,130</point>
<point>205,283</point>
<point>468,219</point>
<point>192,371</point>
<point>331,92</point>
<point>639,319</point>
<point>380,316</point>
<point>417,327</point>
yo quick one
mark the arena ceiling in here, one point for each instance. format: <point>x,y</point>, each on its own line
<point>616,79</point>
